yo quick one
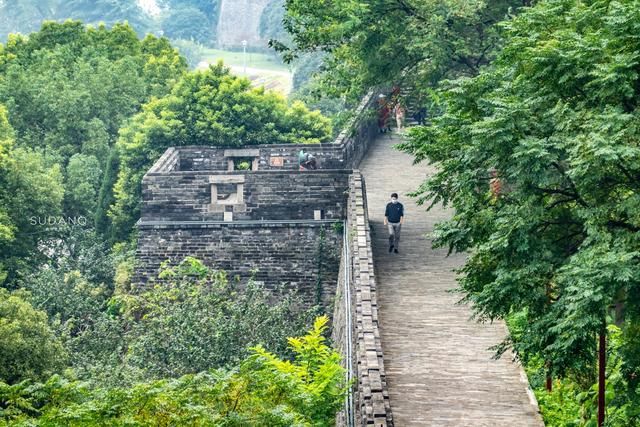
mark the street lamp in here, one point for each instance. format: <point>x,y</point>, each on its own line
<point>244,56</point>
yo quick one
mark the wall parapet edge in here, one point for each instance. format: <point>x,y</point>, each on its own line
<point>373,406</point>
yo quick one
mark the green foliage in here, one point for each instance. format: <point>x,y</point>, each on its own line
<point>192,51</point>
<point>26,16</point>
<point>263,390</point>
<point>210,107</point>
<point>102,222</point>
<point>555,117</point>
<point>243,165</point>
<point>195,20</point>
<point>313,383</point>
<point>29,189</point>
<point>572,403</point>
<point>188,23</point>
<point>74,289</point>
<point>68,89</point>
<point>191,320</point>
<point>28,347</point>
<point>196,320</point>
<point>68,86</point>
<point>83,182</point>
<point>375,42</point>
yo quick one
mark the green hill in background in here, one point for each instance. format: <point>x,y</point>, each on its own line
<point>194,20</point>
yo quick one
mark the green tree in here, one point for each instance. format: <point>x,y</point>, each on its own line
<point>206,22</point>
<point>262,391</point>
<point>69,89</point>
<point>83,182</point>
<point>552,125</point>
<point>376,42</point>
<point>188,23</point>
<point>197,320</point>
<point>30,191</point>
<point>210,107</point>
<point>28,347</point>
<point>26,16</point>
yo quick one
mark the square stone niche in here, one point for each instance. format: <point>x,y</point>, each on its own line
<point>227,194</point>
<point>242,155</point>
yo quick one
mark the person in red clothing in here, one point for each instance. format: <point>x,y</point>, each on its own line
<point>383,114</point>
<point>495,184</point>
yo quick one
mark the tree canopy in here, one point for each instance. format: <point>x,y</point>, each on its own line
<point>28,347</point>
<point>263,390</point>
<point>30,192</point>
<point>67,90</point>
<point>26,16</point>
<point>377,42</point>
<point>554,121</point>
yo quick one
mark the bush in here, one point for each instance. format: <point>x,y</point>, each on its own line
<point>28,347</point>
<point>197,320</point>
<point>262,391</point>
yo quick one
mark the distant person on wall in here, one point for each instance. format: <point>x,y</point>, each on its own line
<point>420,116</point>
<point>306,161</point>
<point>399,112</point>
<point>383,114</point>
<point>393,219</point>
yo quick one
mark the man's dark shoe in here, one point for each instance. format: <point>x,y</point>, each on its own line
<point>391,248</point>
<point>395,250</point>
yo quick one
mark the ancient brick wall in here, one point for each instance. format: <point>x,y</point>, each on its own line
<point>265,195</point>
<point>356,310</point>
<point>278,225</point>
<point>304,256</point>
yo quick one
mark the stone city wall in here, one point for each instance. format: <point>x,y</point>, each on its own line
<point>345,152</point>
<point>261,195</point>
<point>304,256</point>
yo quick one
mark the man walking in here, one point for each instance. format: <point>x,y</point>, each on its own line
<point>393,218</point>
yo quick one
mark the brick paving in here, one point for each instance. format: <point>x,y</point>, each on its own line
<point>438,364</point>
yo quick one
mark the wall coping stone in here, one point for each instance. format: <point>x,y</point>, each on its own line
<point>148,224</point>
<point>226,179</point>
<point>372,392</point>
<point>258,172</point>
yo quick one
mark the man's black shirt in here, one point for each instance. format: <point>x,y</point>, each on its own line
<point>394,212</point>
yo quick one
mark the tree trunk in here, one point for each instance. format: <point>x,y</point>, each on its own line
<point>601,377</point>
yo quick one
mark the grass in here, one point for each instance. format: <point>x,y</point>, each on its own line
<point>254,60</point>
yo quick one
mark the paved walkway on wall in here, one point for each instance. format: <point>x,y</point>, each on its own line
<point>439,369</point>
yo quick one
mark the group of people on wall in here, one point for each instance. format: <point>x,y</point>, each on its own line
<point>391,106</point>
<point>395,107</point>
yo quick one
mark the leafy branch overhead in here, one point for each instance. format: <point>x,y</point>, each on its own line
<point>376,42</point>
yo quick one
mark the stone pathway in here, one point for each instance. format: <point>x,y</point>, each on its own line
<point>439,369</point>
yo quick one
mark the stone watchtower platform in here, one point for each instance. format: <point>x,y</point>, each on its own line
<point>272,221</point>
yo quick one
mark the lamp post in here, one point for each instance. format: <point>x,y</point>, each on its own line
<point>244,56</point>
